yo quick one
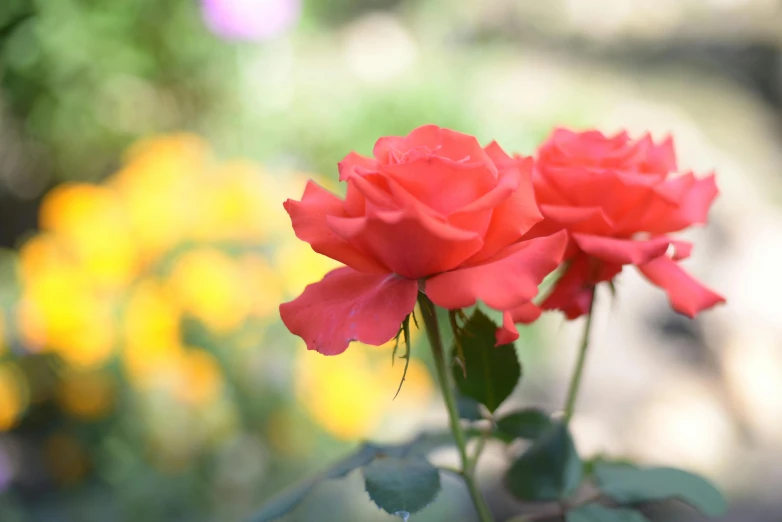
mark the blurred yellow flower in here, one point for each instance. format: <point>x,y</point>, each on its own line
<point>209,285</point>
<point>160,190</point>
<point>102,275</point>
<point>59,311</point>
<point>300,266</point>
<point>262,284</point>
<point>13,395</point>
<point>152,336</point>
<point>90,220</point>
<point>350,395</point>
<point>89,395</point>
<point>240,204</point>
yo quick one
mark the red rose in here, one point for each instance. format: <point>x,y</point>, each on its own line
<point>617,200</point>
<point>433,208</point>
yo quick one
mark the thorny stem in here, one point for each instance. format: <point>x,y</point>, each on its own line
<point>575,380</point>
<point>444,377</point>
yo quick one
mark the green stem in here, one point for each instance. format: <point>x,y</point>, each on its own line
<point>575,380</point>
<point>444,377</point>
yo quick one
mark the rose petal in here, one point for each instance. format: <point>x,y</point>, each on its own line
<point>655,159</point>
<point>410,242</point>
<point>545,192</point>
<point>590,220</point>
<point>507,333</point>
<point>349,306</point>
<point>444,185</point>
<point>526,314</point>
<point>586,187</point>
<point>308,217</point>
<point>573,292</point>
<point>476,222</point>
<point>505,281</point>
<point>686,295</point>
<point>621,251</point>
<point>374,188</point>
<point>500,158</point>
<point>447,143</point>
<point>513,217</point>
<point>681,249</point>
<point>355,164</point>
<point>694,201</point>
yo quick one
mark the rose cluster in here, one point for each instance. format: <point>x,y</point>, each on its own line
<point>435,212</point>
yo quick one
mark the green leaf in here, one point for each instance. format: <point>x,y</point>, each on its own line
<point>492,371</point>
<point>549,470</point>
<point>289,499</point>
<point>629,485</point>
<point>401,486</point>
<point>598,513</point>
<point>523,424</point>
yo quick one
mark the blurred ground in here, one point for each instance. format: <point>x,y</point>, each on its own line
<point>145,149</point>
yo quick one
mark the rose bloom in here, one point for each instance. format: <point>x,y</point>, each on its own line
<point>618,201</point>
<point>432,211</point>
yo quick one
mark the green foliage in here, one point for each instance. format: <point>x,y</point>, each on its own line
<point>549,470</point>
<point>287,500</point>
<point>87,78</point>
<point>491,371</point>
<point>630,485</point>
<point>597,513</point>
<point>411,451</point>
<point>401,486</point>
<point>529,423</point>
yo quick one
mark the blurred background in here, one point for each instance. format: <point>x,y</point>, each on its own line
<point>145,150</point>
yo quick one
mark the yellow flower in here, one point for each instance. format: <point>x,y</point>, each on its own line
<point>351,394</point>
<point>300,266</point>
<point>89,395</point>
<point>152,337</point>
<point>210,285</point>
<point>59,310</point>
<point>90,220</point>
<point>161,189</point>
<point>13,395</point>
<point>241,204</point>
<point>262,284</point>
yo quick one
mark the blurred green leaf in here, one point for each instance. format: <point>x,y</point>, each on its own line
<point>288,499</point>
<point>414,449</point>
<point>492,371</point>
<point>597,513</point>
<point>523,424</point>
<point>629,485</point>
<point>401,486</point>
<point>549,470</point>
